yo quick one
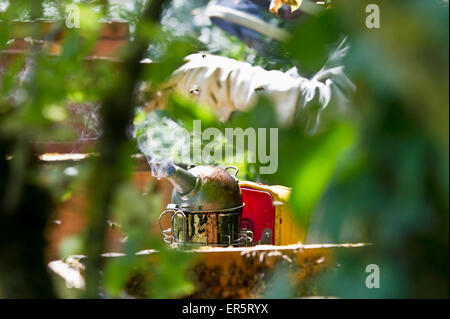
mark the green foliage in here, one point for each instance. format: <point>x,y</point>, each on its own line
<point>390,191</point>
<point>377,174</point>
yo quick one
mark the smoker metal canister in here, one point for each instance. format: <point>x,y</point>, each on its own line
<point>206,208</point>
<point>208,228</point>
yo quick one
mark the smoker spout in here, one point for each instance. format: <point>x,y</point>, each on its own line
<point>183,181</point>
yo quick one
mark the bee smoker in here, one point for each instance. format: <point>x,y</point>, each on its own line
<point>206,208</point>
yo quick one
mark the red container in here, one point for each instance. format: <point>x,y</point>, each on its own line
<point>258,215</point>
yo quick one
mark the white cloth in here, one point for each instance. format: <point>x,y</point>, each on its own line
<point>227,85</point>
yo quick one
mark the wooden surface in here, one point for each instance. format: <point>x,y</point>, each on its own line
<point>229,272</point>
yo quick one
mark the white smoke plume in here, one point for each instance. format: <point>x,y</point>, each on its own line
<point>162,141</point>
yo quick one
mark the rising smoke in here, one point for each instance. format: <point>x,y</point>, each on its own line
<point>162,141</point>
